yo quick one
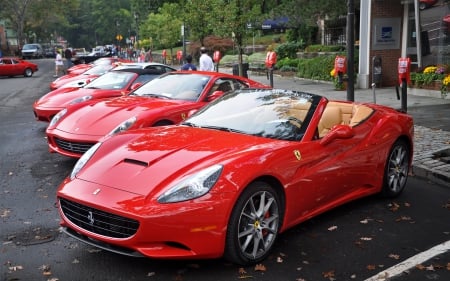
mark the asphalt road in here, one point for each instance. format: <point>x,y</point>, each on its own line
<point>353,242</point>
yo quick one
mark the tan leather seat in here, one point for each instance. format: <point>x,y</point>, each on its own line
<point>331,116</point>
<point>361,113</point>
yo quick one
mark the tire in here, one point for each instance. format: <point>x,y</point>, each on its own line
<point>396,169</point>
<point>422,6</point>
<point>28,72</point>
<point>254,224</point>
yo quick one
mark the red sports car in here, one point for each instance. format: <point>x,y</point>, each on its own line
<point>423,4</point>
<point>112,84</point>
<point>11,66</point>
<point>82,79</point>
<point>168,99</point>
<point>235,174</point>
<point>82,67</point>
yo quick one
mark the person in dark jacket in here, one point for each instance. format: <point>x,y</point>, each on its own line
<point>188,65</point>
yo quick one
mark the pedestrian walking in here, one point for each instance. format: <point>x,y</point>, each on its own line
<point>59,64</point>
<point>68,56</point>
<point>205,62</point>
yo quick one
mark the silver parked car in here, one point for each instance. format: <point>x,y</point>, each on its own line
<point>32,51</point>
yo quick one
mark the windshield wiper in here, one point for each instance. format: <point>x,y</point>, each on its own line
<point>189,124</point>
<point>225,129</point>
<point>155,96</point>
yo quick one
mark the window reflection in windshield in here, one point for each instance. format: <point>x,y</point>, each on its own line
<point>175,86</point>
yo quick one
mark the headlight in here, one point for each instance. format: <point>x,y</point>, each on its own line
<point>83,160</point>
<point>82,99</point>
<point>192,187</point>
<point>123,126</point>
<point>57,117</point>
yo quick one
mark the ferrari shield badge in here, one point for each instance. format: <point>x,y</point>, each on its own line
<point>297,154</point>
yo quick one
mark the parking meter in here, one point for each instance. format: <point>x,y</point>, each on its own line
<point>179,56</point>
<point>340,68</point>
<point>271,60</point>
<point>216,58</point>
<point>404,70</point>
<point>164,55</point>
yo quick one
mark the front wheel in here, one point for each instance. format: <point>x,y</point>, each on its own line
<point>28,72</point>
<point>254,224</point>
<point>396,170</point>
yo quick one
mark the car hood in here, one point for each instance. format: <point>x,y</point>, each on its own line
<point>60,97</point>
<point>147,164</point>
<point>74,77</point>
<point>100,117</point>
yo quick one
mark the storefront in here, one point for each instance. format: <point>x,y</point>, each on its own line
<point>402,28</point>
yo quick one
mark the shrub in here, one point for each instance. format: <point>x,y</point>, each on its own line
<point>317,68</point>
<point>289,49</point>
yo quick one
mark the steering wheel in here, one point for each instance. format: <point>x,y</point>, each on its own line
<point>295,121</point>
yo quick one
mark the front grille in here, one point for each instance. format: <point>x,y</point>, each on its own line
<point>97,221</point>
<point>74,147</point>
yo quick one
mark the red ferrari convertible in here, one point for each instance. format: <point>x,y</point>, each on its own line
<point>241,170</point>
<point>112,84</point>
<point>10,66</point>
<point>168,99</point>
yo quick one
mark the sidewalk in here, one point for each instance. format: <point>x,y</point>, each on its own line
<point>431,158</point>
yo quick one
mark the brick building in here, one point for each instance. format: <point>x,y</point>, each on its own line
<point>388,32</point>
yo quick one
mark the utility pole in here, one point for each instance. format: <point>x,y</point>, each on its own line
<point>350,50</point>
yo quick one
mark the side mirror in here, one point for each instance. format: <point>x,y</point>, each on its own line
<point>135,86</point>
<point>338,132</point>
<point>215,95</point>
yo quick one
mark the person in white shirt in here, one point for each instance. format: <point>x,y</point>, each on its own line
<point>205,61</point>
<point>59,64</point>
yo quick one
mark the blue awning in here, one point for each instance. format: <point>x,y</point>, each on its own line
<point>279,23</point>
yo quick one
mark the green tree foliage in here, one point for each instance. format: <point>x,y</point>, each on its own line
<point>93,22</point>
<point>163,29</point>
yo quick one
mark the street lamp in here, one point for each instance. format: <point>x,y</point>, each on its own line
<point>136,18</point>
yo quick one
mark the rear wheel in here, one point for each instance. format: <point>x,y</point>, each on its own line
<point>396,170</point>
<point>28,72</point>
<point>254,224</point>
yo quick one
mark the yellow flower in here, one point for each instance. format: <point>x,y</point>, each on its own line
<point>332,72</point>
<point>430,70</point>
<point>446,81</point>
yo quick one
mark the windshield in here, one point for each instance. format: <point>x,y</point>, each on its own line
<point>276,114</point>
<point>112,80</point>
<point>183,86</point>
<point>98,69</point>
<point>29,47</point>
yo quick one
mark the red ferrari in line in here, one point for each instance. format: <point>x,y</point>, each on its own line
<point>112,84</point>
<point>11,66</point>
<point>236,174</point>
<point>79,80</point>
<point>82,67</point>
<point>168,99</point>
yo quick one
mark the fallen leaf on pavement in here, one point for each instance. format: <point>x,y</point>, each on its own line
<point>331,228</point>
<point>394,256</point>
<point>394,207</point>
<point>260,267</point>
<point>328,274</point>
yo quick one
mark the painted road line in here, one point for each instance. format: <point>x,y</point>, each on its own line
<point>411,262</point>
